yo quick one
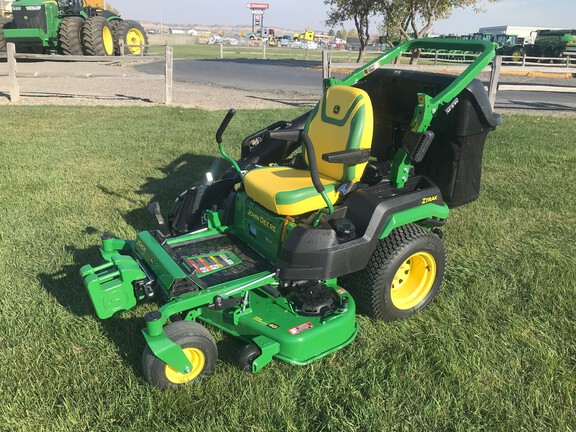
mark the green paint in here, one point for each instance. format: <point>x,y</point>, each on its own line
<point>415,214</point>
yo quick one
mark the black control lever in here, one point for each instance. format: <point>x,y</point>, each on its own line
<point>224,125</point>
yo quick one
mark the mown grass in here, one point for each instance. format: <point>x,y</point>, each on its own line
<point>201,51</point>
<point>494,351</point>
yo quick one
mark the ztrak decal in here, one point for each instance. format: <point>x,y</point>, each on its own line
<point>429,199</point>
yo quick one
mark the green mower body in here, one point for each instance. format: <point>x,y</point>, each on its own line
<point>289,282</point>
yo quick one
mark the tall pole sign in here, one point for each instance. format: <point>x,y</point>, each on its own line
<point>257,15</point>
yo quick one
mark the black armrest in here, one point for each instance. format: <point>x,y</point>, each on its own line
<point>287,135</point>
<point>314,174</point>
<point>351,157</point>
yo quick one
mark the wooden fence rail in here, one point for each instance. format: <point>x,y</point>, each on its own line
<point>12,56</point>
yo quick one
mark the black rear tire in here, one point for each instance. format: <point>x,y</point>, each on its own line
<point>199,347</point>
<point>97,37</point>
<point>403,275</point>
<point>131,33</point>
<point>70,35</point>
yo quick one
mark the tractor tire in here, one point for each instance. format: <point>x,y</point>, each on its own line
<point>517,54</point>
<point>403,275</point>
<point>197,344</point>
<point>132,34</point>
<point>70,35</point>
<point>3,22</point>
<point>97,37</point>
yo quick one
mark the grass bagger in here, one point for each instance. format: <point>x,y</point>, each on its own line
<point>335,211</point>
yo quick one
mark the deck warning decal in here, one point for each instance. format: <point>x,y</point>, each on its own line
<point>301,328</point>
<point>210,263</point>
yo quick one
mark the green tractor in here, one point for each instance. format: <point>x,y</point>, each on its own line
<point>337,211</point>
<point>74,27</point>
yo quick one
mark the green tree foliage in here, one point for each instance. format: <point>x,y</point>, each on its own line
<point>357,10</point>
<point>412,19</point>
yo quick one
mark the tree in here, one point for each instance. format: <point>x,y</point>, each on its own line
<point>331,32</point>
<point>406,16</point>
<point>357,10</point>
<point>412,19</point>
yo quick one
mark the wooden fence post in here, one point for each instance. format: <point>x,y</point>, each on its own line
<point>524,59</point>
<point>221,51</point>
<point>263,50</point>
<point>169,73</point>
<point>494,78</point>
<point>325,66</point>
<point>13,80</point>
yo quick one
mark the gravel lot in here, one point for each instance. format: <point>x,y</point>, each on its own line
<point>70,83</point>
<point>114,83</point>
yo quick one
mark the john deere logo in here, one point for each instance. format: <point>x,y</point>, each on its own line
<point>336,109</point>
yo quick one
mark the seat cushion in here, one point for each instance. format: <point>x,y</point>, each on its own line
<point>287,191</point>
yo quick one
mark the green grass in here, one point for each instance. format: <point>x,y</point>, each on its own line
<point>495,350</point>
<point>200,51</point>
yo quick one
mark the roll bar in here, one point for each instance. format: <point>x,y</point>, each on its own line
<point>427,105</point>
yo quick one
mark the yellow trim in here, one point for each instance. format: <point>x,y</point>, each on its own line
<point>134,37</point>
<point>413,281</point>
<point>196,358</point>
<point>108,40</point>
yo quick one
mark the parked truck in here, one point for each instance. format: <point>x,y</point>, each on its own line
<point>72,27</point>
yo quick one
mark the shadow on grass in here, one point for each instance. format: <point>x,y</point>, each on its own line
<point>184,172</point>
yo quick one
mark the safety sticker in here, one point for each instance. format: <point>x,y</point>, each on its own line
<point>301,328</point>
<point>341,291</point>
<point>210,263</point>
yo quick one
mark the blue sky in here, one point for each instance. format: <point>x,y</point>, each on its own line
<point>300,14</point>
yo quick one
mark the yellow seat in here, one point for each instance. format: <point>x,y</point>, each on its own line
<point>342,120</point>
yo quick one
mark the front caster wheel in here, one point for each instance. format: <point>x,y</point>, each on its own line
<point>247,355</point>
<point>198,346</point>
<point>403,275</point>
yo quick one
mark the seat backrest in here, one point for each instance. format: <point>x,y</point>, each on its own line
<point>342,120</point>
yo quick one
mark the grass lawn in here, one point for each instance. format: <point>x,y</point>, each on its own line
<point>496,350</point>
<point>201,51</point>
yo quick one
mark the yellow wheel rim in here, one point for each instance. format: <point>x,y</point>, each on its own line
<point>134,37</point>
<point>413,281</point>
<point>196,358</point>
<point>516,56</point>
<point>108,40</point>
